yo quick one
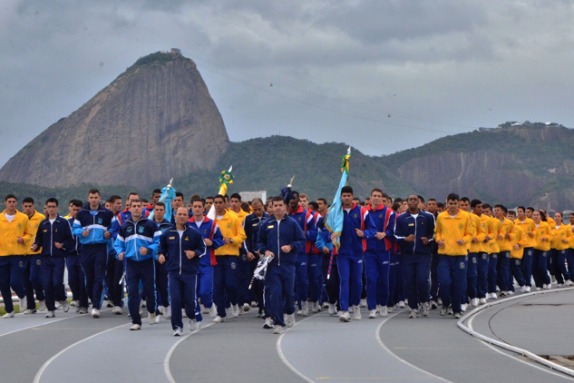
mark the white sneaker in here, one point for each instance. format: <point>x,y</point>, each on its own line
<point>246,307</point>
<point>23,304</point>
<point>482,301</point>
<point>316,307</point>
<point>8,315</point>
<point>29,311</point>
<point>278,330</point>
<point>235,311</point>
<point>290,320</point>
<point>305,308</point>
<point>167,312</point>
<point>523,289</point>
<point>401,304</point>
<point>413,314</point>
<point>559,285</point>
<point>193,325</point>
<point>65,306</point>
<point>203,309</point>
<point>383,311</point>
<point>75,303</point>
<point>268,323</point>
<point>493,296</point>
<point>425,309</point>
<point>372,314</point>
<point>363,303</point>
<point>135,327</point>
<point>42,307</point>
<point>50,314</point>
<point>158,318</point>
<point>457,315</point>
<point>151,318</point>
<point>177,332</point>
<point>83,310</point>
<point>117,310</point>
<point>463,307</point>
<point>510,292</point>
<point>332,310</point>
<point>443,311</point>
<point>527,289</point>
<point>213,311</point>
<point>474,302</point>
<point>548,286</point>
<point>345,317</point>
<point>569,283</point>
<point>95,313</point>
<point>218,319</point>
<point>356,313</point>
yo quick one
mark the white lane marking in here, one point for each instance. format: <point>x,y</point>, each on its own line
<point>525,353</point>
<point>284,359</point>
<point>49,361</point>
<point>380,342</point>
<point>167,358</point>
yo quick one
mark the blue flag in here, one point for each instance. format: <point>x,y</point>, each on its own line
<point>167,195</point>
<point>334,221</point>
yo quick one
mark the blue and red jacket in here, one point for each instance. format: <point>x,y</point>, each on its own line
<point>358,217</point>
<point>306,221</point>
<point>208,229</point>
<point>384,219</point>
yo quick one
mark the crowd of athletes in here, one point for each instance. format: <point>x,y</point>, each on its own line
<point>390,254</point>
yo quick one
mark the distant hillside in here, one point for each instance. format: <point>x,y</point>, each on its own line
<point>515,164</point>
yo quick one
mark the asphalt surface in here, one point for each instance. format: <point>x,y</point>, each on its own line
<point>79,348</point>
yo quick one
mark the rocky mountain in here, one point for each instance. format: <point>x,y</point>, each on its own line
<point>156,120</point>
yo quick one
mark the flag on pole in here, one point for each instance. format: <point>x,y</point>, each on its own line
<point>334,221</point>
<point>225,179</point>
<point>167,195</point>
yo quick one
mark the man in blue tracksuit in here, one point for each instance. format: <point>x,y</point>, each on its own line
<point>54,237</point>
<point>212,239</point>
<point>378,255</point>
<point>357,227</point>
<point>281,239</point>
<point>306,221</point>
<point>75,273</point>
<point>138,242</point>
<point>414,231</point>
<point>91,226</point>
<point>181,249</point>
<point>252,224</point>
<point>161,279</point>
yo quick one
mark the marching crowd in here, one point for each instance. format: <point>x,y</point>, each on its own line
<point>279,256</point>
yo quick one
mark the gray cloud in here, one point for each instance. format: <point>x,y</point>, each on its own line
<point>380,75</point>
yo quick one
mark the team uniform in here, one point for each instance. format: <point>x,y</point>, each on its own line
<point>377,260</point>
<point>528,227</point>
<point>558,247</point>
<point>76,276</point>
<point>542,237</point>
<point>139,268</point>
<point>416,257</point>
<point>33,268</point>
<point>226,273</point>
<point>452,261</point>
<point>182,272</point>
<point>280,277</point>
<point>12,257</point>
<point>93,250</point>
<point>350,258</point>
<point>53,262</point>
<point>208,229</point>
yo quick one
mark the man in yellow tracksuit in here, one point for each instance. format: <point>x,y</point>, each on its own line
<point>33,262</point>
<point>453,233</point>
<point>15,236</point>
<point>226,272</point>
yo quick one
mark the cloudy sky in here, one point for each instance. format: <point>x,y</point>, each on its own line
<point>379,75</point>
